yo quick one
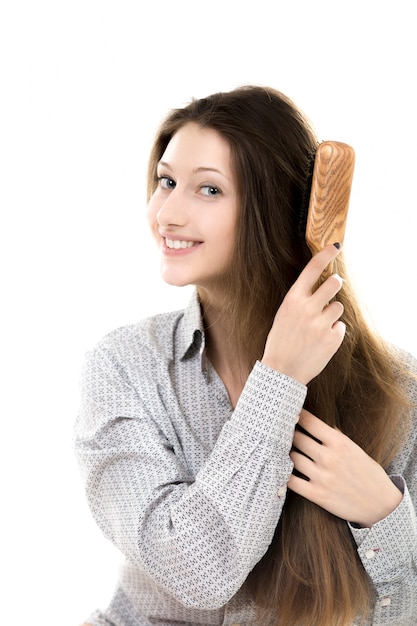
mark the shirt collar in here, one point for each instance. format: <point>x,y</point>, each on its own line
<point>190,332</point>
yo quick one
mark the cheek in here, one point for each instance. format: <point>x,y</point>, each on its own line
<point>225,239</point>
<point>227,231</point>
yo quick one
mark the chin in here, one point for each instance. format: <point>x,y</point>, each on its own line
<point>175,281</point>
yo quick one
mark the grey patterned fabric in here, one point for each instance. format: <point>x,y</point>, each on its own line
<point>190,491</point>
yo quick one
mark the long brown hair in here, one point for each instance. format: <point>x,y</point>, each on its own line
<point>311,574</point>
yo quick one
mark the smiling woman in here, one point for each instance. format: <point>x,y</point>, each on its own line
<point>193,210</point>
<point>259,445</point>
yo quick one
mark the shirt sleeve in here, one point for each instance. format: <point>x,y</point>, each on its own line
<point>388,552</point>
<point>198,537</point>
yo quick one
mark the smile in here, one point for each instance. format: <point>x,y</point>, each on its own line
<point>176,244</point>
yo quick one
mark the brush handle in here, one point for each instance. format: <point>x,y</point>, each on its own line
<point>330,192</point>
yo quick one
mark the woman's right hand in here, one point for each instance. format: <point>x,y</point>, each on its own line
<point>307,331</point>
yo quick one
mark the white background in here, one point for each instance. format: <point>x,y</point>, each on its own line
<point>84,85</point>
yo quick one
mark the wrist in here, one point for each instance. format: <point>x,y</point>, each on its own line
<point>285,369</point>
<point>392,498</point>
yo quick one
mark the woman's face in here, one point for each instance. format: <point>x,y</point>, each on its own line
<point>193,211</point>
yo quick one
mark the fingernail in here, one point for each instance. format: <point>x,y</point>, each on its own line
<point>337,245</point>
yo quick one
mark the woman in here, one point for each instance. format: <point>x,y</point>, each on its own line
<point>253,456</point>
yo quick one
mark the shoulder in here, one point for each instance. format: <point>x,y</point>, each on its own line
<point>409,360</point>
<point>407,366</point>
<point>154,331</point>
<point>406,461</point>
<point>150,339</point>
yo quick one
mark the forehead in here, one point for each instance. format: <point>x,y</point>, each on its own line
<point>203,146</point>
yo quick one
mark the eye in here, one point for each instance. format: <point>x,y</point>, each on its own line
<point>210,190</point>
<point>166,183</point>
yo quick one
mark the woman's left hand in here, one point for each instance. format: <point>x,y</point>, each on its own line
<point>343,479</point>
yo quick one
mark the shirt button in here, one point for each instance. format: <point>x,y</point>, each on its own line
<point>386,601</point>
<point>370,554</point>
<point>281,492</point>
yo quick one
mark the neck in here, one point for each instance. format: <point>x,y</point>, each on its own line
<point>222,349</point>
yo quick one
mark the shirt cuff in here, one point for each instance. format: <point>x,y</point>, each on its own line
<point>270,404</point>
<point>387,547</point>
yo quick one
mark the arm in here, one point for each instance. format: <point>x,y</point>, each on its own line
<point>380,508</point>
<point>343,479</point>
<point>197,537</point>
<point>388,551</point>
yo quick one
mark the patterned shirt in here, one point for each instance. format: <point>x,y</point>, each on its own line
<point>191,491</point>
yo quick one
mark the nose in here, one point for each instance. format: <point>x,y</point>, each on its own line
<point>173,210</point>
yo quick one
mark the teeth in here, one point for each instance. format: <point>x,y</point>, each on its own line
<point>177,244</point>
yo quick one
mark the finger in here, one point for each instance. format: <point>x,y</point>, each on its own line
<point>315,426</point>
<point>332,312</point>
<point>339,330</point>
<point>306,445</point>
<point>302,464</point>
<point>314,269</point>
<point>300,486</point>
<point>328,289</point>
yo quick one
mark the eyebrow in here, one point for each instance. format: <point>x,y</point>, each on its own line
<point>197,170</point>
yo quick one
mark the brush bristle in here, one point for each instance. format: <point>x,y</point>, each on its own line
<point>305,200</point>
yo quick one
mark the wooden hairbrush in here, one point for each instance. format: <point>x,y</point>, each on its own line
<point>329,197</point>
